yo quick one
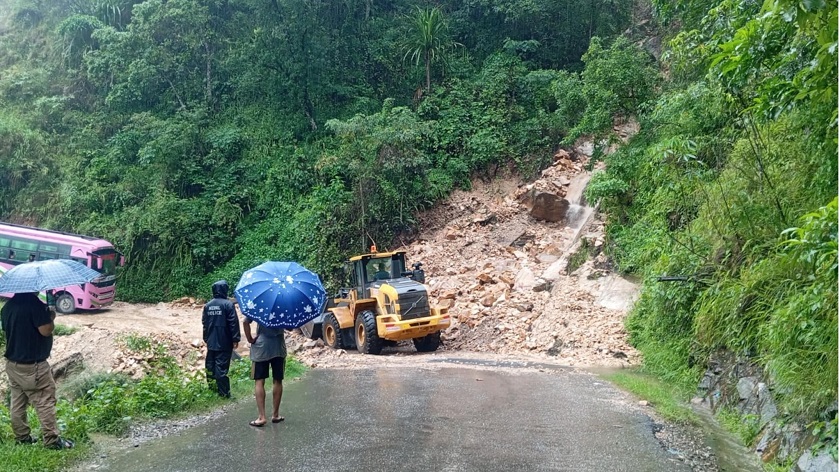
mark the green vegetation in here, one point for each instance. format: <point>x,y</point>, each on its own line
<point>580,256</point>
<point>732,184</point>
<point>746,427</point>
<point>63,330</point>
<point>278,130</point>
<point>35,458</point>
<point>110,403</point>
<point>667,400</point>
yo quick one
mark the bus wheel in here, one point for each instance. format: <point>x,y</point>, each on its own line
<point>65,304</point>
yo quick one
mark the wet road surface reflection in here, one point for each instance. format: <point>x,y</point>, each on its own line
<point>421,419</point>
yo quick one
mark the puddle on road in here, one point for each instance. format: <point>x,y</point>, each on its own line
<point>505,364</point>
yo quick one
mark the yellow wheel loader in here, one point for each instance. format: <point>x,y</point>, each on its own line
<point>386,303</point>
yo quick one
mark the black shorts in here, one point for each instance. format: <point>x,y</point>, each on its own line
<point>259,370</point>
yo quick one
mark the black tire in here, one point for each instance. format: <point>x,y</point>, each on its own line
<point>428,343</point>
<point>333,337</point>
<point>367,339</point>
<point>65,304</point>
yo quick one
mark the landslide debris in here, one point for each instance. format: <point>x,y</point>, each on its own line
<point>519,264</point>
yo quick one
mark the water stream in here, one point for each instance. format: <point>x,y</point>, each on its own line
<point>579,212</point>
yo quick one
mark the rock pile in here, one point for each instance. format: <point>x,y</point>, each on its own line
<point>519,275</point>
<point>136,362</point>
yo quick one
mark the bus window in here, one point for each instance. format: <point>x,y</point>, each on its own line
<point>5,241</point>
<point>26,246</point>
<point>48,247</point>
<point>4,253</point>
<point>44,256</point>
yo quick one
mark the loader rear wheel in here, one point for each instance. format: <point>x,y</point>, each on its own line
<point>332,332</point>
<point>367,339</point>
<point>428,343</point>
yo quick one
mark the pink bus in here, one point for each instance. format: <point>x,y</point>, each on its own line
<point>19,244</point>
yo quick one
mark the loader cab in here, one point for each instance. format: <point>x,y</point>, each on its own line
<point>370,269</point>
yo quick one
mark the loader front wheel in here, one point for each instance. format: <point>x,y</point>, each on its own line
<point>428,343</point>
<point>332,332</point>
<point>367,339</point>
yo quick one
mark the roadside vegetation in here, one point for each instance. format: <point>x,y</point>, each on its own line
<point>730,192</point>
<point>111,403</point>
<point>64,330</point>
<point>667,399</point>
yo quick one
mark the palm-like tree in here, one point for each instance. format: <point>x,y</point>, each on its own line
<point>427,39</point>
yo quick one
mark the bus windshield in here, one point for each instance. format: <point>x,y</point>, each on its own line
<point>109,262</point>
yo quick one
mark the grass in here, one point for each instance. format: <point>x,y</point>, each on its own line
<point>745,428</point>
<point>35,457</point>
<point>111,403</point>
<point>667,400</point>
<point>579,257</point>
<point>64,330</point>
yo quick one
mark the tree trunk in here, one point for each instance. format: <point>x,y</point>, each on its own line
<point>208,82</point>
<point>428,74</point>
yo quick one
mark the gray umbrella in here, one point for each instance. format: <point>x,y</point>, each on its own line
<point>44,275</point>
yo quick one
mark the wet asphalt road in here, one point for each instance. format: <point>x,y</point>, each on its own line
<point>421,419</point>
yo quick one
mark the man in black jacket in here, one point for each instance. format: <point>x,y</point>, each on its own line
<point>221,334</point>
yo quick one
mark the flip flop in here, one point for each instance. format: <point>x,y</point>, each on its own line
<point>255,424</point>
<point>277,420</point>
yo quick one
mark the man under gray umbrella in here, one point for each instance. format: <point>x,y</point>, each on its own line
<point>28,326</point>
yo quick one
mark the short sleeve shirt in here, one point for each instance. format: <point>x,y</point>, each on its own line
<point>21,317</point>
<point>269,343</point>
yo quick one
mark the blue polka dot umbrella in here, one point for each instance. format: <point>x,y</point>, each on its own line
<point>280,295</point>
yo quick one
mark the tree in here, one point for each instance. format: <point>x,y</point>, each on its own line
<point>428,39</point>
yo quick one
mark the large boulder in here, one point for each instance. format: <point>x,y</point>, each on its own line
<point>548,207</point>
<point>822,462</point>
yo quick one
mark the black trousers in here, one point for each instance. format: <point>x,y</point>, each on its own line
<point>217,365</point>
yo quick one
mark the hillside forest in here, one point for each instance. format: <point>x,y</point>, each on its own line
<point>202,137</point>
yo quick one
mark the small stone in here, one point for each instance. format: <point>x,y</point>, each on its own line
<point>542,285</point>
<point>643,403</point>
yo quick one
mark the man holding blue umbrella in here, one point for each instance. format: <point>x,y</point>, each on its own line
<point>268,352</point>
<point>275,296</point>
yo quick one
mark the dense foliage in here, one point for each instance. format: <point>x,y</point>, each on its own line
<point>205,136</point>
<point>731,188</point>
